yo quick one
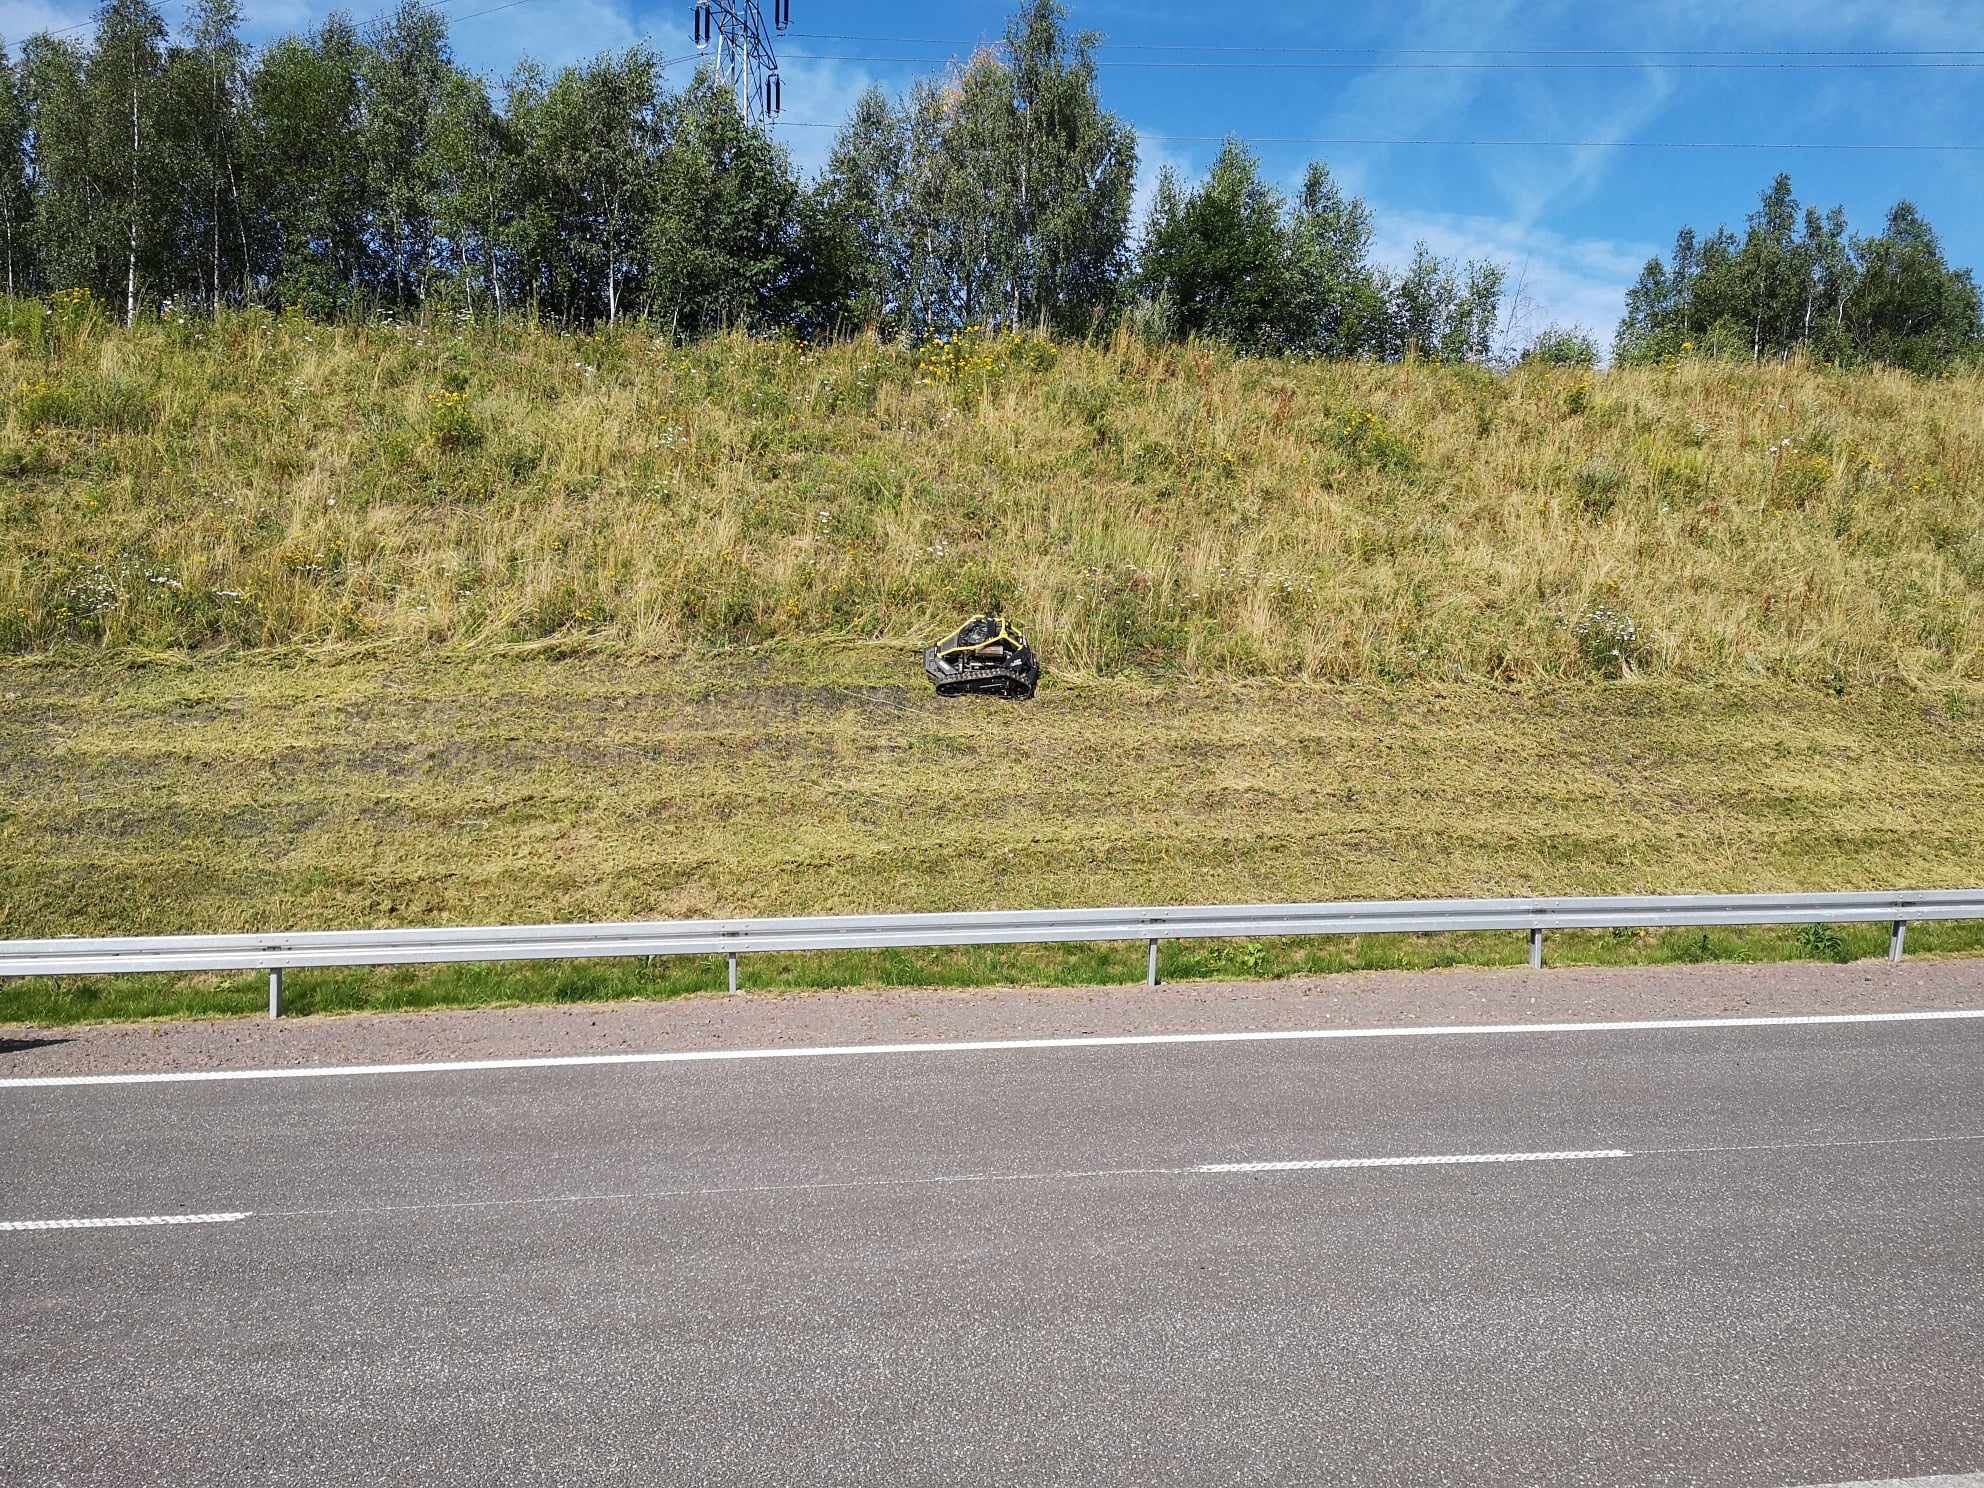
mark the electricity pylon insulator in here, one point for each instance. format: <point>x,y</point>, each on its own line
<point>745,58</point>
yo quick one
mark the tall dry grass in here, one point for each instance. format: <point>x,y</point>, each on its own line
<point>260,482</point>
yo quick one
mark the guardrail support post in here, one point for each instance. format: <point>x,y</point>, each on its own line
<point>1151,978</point>
<point>733,973</point>
<point>1895,939</point>
<point>1536,950</point>
<point>275,991</point>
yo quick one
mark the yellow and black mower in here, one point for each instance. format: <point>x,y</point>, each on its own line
<point>986,655</point>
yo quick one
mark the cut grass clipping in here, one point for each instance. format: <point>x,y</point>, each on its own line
<point>215,795</point>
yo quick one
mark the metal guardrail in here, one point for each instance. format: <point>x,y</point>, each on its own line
<point>278,952</point>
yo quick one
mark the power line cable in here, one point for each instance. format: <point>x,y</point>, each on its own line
<point>1349,142</point>
<point>1112,65</point>
<point>473,14</point>
<point>1184,46</point>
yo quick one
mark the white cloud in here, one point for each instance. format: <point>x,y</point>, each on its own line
<point>20,19</point>
<point>1808,23</point>
<point>271,18</point>
<point>1152,158</point>
<point>1559,279</point>
<point>553,34</point>
<point>816,92</point>
<point>1533,182</point>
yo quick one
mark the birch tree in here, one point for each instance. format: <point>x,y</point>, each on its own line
<point>209,107</point>
<point>122,84</point>
<point>724,232</point>
<point>16,193</point>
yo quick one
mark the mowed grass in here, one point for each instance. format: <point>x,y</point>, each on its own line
<point>1172,512</point>
<point>218,794</point>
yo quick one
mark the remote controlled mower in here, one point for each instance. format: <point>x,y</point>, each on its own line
<point>986,655</point>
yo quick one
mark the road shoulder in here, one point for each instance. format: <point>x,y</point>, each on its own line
<point>1352,1000</point>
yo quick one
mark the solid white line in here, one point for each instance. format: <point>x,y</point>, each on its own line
<point>1406,1162</point>
<point>976,1046</point>
<point>120,1223</point>
<point>1955,1480</point>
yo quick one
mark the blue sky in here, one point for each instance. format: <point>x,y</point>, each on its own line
<point>1573,225</point>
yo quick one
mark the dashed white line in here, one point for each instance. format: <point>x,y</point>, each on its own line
<point>1407,1162</point>
<point>919,1180</point>
<point>976,1046</point>
<point>120,1222</point>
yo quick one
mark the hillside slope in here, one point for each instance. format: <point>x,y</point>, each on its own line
<point>263,483</point>
<point>304,626</point>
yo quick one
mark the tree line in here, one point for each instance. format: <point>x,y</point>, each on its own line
<point>347,171</point>
<point>1799,280</point>
<point>353,170</point>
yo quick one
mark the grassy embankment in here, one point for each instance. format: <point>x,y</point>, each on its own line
<point>337,627</point>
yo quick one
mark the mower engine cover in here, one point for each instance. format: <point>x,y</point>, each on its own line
<point>986,654</point>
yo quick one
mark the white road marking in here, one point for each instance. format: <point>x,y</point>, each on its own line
<point>123,1222</point>
<point>1955,1480</point>
<point>1406,1162</point>
<point>974,1046</point>
<point>927,1179</point>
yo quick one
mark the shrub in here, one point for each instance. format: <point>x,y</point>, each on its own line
<point>112,405</point>
<point>1153,318</point>
<point>1561,346</point>
<point>40,403</point>
<point>979,357</point>
<point>1369,440</point>
<point>1608,640</point>
<point>450,423</point>
<point>1597,483</point>
<point>1822,942</point>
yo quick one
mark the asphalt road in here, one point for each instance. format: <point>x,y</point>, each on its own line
<point>1752,1255</point>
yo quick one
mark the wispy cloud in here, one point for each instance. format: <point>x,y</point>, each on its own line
<point>1535,182</point>
<point>20,19</point>
<point>1925,23</point>
<point>553,33</point>
<point>1153,155</point>
<point>1557,279</point>
<point>817,90</point>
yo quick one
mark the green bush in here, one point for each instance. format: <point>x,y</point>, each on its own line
<point>1561,346</point>
<point>1822,942</point>
<point>1597,483</point>
<point>114,405</point>
<point>1369,440</point>
<point>1608,640</point>
<point>450,423</point>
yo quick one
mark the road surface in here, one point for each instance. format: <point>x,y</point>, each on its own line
<point>1730,1253</point>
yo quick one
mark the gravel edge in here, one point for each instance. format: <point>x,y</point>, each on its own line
<point>815,1019</point>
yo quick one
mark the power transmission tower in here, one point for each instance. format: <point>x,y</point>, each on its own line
<point>744,55</point>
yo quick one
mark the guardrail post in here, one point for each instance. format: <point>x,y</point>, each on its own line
<point>733,973</point>
<point>1151,978</point>
<point>1536,949</point>
<point>275,991</point>
<point>1895,939</point>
